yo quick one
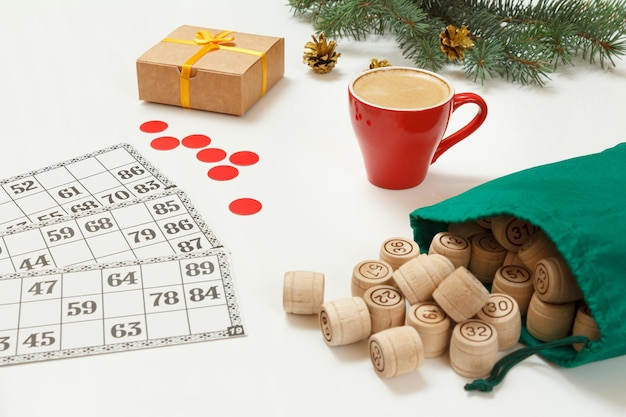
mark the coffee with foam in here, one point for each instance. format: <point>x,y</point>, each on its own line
<point>402,89</point>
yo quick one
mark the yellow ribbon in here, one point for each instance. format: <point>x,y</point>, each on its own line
<point>211,43</point>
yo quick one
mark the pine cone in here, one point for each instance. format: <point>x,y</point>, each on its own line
<point>375,63</point>
<point>320,54</point>
<point>454,42</point>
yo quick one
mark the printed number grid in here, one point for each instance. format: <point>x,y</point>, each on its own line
<point>99,308</point>
<point>102,178</point>
<point>158,225</point>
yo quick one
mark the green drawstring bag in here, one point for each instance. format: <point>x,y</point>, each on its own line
<point>580,203</point>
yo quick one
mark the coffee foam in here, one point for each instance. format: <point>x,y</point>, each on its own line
<point>401,89</point>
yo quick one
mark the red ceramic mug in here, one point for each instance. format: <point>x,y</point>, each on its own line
<point>399,116</point>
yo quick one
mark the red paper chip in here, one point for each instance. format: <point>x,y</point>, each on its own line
<point>153,126</point>
<point>245,206</point>
<point>165,143</point>
<point>223,173</point>
<point>211,155</point>
<point>241,206</point>
<point>196,141</point>
<point>244,158</point>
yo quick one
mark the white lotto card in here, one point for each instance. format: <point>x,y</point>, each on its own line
<point>110,307</point>
<point>157,225</point>
<point>102,178</point>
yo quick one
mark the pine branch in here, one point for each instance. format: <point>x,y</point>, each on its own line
<point>424,50</point>
<point>602,33</point>
<point>595,28</point>
<point>311,8</point>
<point>519,41</point>
<point>358,18</point>
<point>486,59</point>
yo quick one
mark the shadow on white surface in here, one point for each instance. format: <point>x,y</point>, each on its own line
<point>598,378</point>
<point>304,322</point>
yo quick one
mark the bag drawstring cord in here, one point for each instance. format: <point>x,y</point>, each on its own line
<point>504,365</point>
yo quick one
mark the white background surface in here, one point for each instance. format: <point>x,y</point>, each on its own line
<point>68,88</point>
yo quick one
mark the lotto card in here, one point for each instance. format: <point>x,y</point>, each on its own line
<point>105,177</point>
<point>158,225</point>
<point>109,307</point>
<point>103,253</point>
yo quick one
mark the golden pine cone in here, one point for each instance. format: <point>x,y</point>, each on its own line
<point>375,63</point>
<point>320,54</point>
<point>454,41</point>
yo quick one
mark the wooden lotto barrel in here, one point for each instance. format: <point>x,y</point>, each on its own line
<point>454,247</point>
<point>515,281</point>
<point>547,321</point>
<point>486,257</point>
<point>369,273</point>
<point>386,305</point>
<point>433,325</point>
<point>473,348</point>
<point>511,232</point>
<point>398,250</point>
<point>585,325</point>
<point>303,292</point>
<point>512,258</point>
<point>554,282</point>
<point>345,321</point>
<point>535,248</point>
<point>396,351</point>
<point>461,295</point>
<point>502,312</point>
<point>418,278</point>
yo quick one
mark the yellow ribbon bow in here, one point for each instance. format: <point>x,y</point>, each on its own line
<point>210,43</point>
<point>204,37</point>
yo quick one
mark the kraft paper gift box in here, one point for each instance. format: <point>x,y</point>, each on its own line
<point>210,69</point>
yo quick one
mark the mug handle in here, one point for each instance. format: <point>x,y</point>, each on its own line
<point>457,101</point>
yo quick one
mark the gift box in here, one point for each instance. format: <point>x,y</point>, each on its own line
<point>210,69</point>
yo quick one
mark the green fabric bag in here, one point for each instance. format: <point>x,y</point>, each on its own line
<point>580,203</point>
